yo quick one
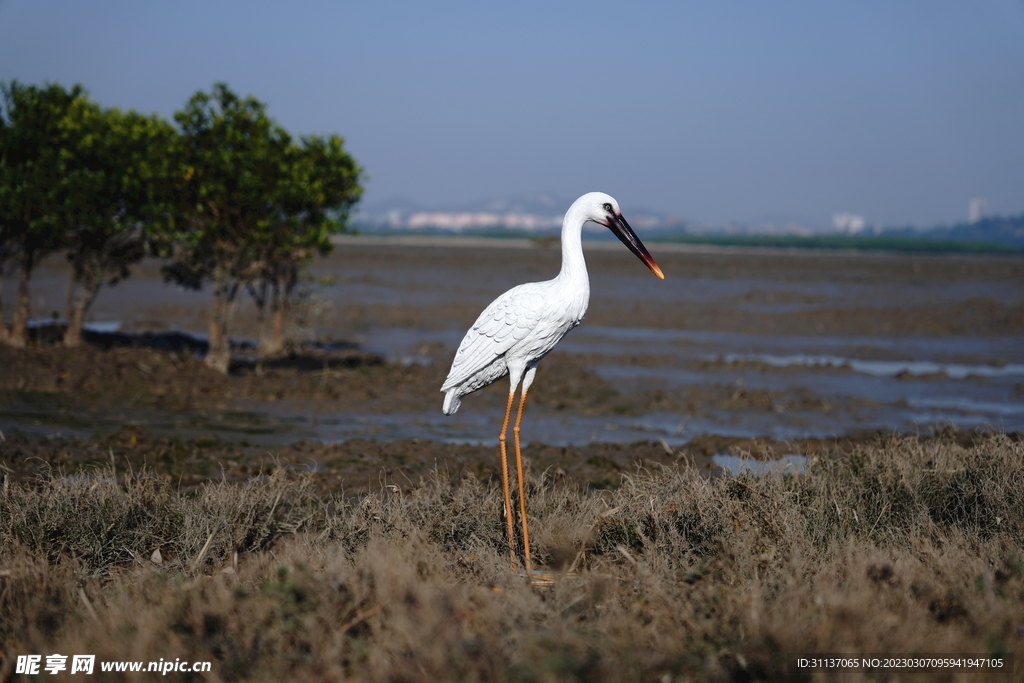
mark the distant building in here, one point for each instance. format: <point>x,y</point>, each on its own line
<point>977,209</point>
<point>458,221</point>
<point>848,223</point>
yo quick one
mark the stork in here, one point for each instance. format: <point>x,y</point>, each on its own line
<point>522,325</point>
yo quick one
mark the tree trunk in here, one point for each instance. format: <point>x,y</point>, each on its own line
<point>3,327</point>
<point>86,280</point>
<point>277,323</point>
<point>218,356</point>
<point>80,297</point>
<point>273,344</point>
<point>19,329</point>
<point>215,356</point>
<point>73,334</point>
<point>259,297</point>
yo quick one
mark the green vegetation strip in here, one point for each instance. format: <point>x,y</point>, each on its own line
<point>905,244</point>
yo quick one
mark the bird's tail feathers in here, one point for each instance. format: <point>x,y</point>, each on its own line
<point>452,401</point>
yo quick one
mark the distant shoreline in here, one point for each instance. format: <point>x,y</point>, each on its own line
<point>695,247</point>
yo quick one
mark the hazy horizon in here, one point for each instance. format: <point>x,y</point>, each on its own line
<point>713,112</point>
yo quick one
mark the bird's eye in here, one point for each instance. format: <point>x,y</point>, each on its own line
<point>608,207</point>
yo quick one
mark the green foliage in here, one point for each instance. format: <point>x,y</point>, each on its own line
<point>235,156</point>
<point>125,190</point>
<point>235,197</point>
<point>40,173</point>
<point>258,204</point>
<point>39,166</point>
<point>129,178</point>
<point>77,177</point>
<point>254,196</point>
<point>314,201</point>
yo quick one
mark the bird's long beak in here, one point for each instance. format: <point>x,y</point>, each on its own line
<point>620,227</point>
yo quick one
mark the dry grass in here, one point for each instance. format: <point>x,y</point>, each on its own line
<point>904,546</point>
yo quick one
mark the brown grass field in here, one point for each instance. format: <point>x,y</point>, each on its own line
<point>897,545</point>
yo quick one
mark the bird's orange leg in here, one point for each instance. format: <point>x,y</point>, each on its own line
<point>519,474</point>
<point>504,480</point>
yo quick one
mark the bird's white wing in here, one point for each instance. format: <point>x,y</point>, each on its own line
<point>509,319</point>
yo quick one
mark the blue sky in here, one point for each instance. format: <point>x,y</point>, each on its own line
<point>711,110</point>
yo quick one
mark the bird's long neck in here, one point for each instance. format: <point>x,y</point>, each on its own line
<point>574,268</point>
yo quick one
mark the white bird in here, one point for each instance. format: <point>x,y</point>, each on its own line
<point>522,325</point>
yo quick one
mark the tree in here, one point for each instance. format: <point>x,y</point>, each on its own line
<point>126,188</point>
<point>236,156</point>
<point>38,169</point>
<point>313,202</point>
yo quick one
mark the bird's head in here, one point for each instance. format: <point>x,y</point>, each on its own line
<point>602,208</point>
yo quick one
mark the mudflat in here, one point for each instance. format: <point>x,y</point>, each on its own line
<point>765,351</point>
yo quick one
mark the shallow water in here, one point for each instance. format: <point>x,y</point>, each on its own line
<point>867,387</point>
<point>862,392</point>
